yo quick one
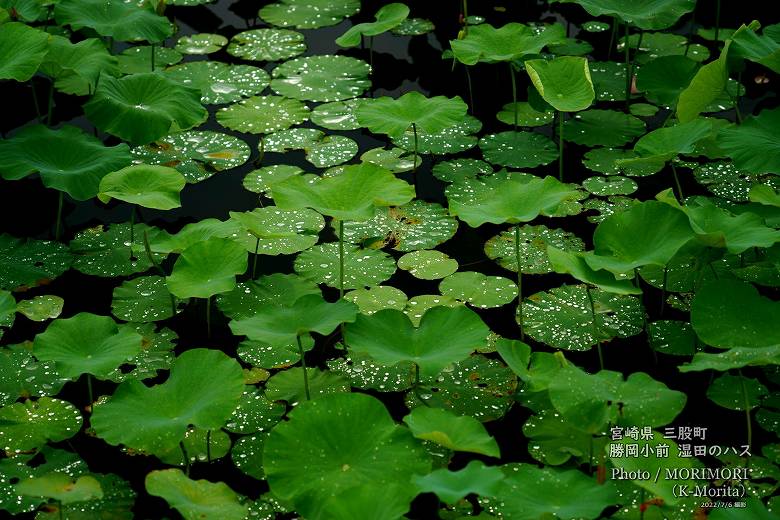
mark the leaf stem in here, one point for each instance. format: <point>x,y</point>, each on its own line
<point>628,67</point>
<point>50,110</point>
<point>341,258</point>
<point>132,230</point>
<point>208,446</point>
<point>254,260</point>
<point>152,53</point>
<point>35,102</point>
<point>717,21</point>
<point>560,146</point>
<point>747,411</point>
<point>148,249</point>
<point>613,33</point>
<point>186,458</point>
<point>663,290</point>
<point>414,131</point>
<point>680,196</point>
<point>303,364</point>
<point>519,283</point>
<point>208,317</point>
<point>58,223</point>
<point>514,94</point>
<point>416,386</point>
<point>471,90</point>
<point>90,395</point>
<point>595,326</point>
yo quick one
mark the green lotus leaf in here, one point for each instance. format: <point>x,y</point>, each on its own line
<point>28,425</point>
<point>512,198</point>
<point>554,440</point>
<point>200,445</point>
<point>480,387</point>
<point>459,169</point>
<point>75,67</point>
<point>428,264</point>
<point>155,187</point>
<point>141,108</point>
<point>526,115</point>
<point>201,43</point>
<point>413,226</point>
<point>451,486</point>
<point>207,268</point>
<point>261,180</point>
<point>736,357</point>
<point>450,140</point>
<point>117,502</point>
<point>604,186</point>
<point>664,78</point>
<point>364,372</point>
<point>609,80</point>
<point>247,455</point>
<point>254,413</point>
<point>279,289</point>
<point>397,160</point>
<point>203,389</point>
<point>614,161</point>
<point>387,17</point>
<point>22,50</point>
<point>67,159</point>
<point>445,335</point>
<point>624,241</point>
<point>196,154</point>
<point>643,109</point>
<point>655,44</point>
<point>765,195</point>
<point>731,313</point>
<point>267,356</point>
<point>479,290</point>
<point>485,43</point>
<point>563,82</point>
<point>518,149</point>
<point>353,195</point>
<point>645,14</point>
<point>575,264</point>
<point>62,488</point>
<point>138,59</point>
<point>736,392</point>
<point>219,82</point>
<point>287,385</point>
<point>666,142</point>
<point>705,87</point>
<point>761,49</point>
<point>337,115</point>
<point>393,117</point>
<point>615,316</point>
<point>590,401</point>
<point>107,251</point>
<point>362,267</point>
<point>29,263</point>
<point>119,20</point>
<point>595,26</point>
<point>602,128</point>
<point>533,243</point>
<point>417,306</point>
<point>263,114</point>
<point>754,145</point>
<point>339,443</point>
<point>195,499</point>
<point>321,150</point>
<point>321,78</point>
<point>280,326</point>
<point>308,14</point>
<point>7,310</point>
<point>454,432</point>
<point>372,299</point>
<point>413,27</point>
<point>86,343</point>
<point>143,300</point>
<point>22,375</point>
<point>280,231</point>
<point>267,44</point>
<point>723,179</point>
<point>675,338</point>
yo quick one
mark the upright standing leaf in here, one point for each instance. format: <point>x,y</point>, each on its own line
<point>387,17</point>
<point>195,499</point>
<point>207,268</point>
<point>563,82</point>
<point>155,187</point>
<point>393,117</point>
<point>22,50</point>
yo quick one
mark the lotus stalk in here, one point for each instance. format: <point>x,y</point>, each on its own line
<point>156,264</point>
<point>58,223</point>
<point>208,317</point>
<point>519,283</point>
<point>595,326</point>
<point>560,145</point>
<point>303,366</point>
<point>748,419</point>
<point>186,458</point>
<point>514,94</point>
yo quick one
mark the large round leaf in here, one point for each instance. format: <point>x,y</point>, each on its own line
<point>352,195</point>
<point>67,159</point>
<point>143,300</point>
<point>22,375</point>
<point>511,198</point>
<point>563,82</point>
<point>195,499</point>
<point>485,43</point>
<point>445,335</point>
<point>280,326</point>
<point>123,21</point>
<point>280,231</point>
<point>219,82</point>
<point>533,242</point>
<point>393,117</point>
<point>279,289</point>
<point>321,78</point>
<point>387,17</point>
<point>457,433</point>
<point>86,343</point>
<point>754,145</point>
<point>362,267</point>
<point>267,44</point>
<point>107,250</point>
<point>28,263</point>
<point>143,107</point>
<point>263,114</point>
<point>22,50</point>
<point>207,268</point>
<point>645,14</point>
<point>339,443</point>
<point>602,128</point>
<point>518,149</point>
<point>452,486</point>
<point>201,43</point>
<point>76,67</point>
<point>479,290</point>
<point>155,187</point>
<point>28,425</point>
<point>308,14</point>
<point>202,390</point>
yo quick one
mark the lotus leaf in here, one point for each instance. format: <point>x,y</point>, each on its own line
<point>394,116</point>
<point>645,14</point>
<point>22,50</point>
<point>387,17</point>
<point>485,43</point>
<point>41,308</point>
<point>28,425</point>
<point>260,180</point>
<point>62,488</point>
<point>29,263</point>
<point>103,251</point>
<point>76,67</point>
<point>451,431</point>
<point>705,87</point>
<point>321,78</point>
<point>602,128</point>
<point>452,139</point>
<point>254,413</point>
<point>413,27</point>
<point>655,44</point>
<point>518,149</point>
<point>195,499</point>
<point>526,115</point>
<point>155,187</point>
<point>22,375</point>
<point>563,82</point>
<point>279,289</point>
<point>736,392</point>
<point>263,114</point>
<point>362,267</point>
<point>308,14</point>
<point>288,385</point>
<point>143,300</point>
<point>363,372</point>
<point>337,115</point>
<point>267,44</point>
<point>428,264</point>
<point>123,21</point>
<point>554,440</point>
<point>219,82</point>
<point>452,486</point>
<point>533,248</point>
<point>200,445</point>
<point>479,290</point>
<point>609,80</point>
<point>459,169</point>
<point>761,49</point>
<point>321,150</point>
<point>575,264</point>
<point>201,43</point>
<point>605,186</point>
<point>207,268</point>
<point>397,160</point>
<point>138,59</point>
<point>281,231</point>
<point>144,107</point>
<point>754,145</point>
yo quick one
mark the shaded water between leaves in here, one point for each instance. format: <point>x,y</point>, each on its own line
<point>401,64</point>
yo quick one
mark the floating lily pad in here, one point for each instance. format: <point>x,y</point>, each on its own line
<point>41,308</point>
<point>643,109</point>
<point>267,356</point>
<point>321,150</point>
<point>459,169</point>
<point>219,82</point>
<point>397,160</point>
<point>201,43</point>
<point>372,299</point>
<point>196,154</point>
<point>553,440</point>
<point>362,267</point>
<point>143,300</point>
<point>321,78</point>
<point>106,250</point>
<point>29,263</point>
<point>200,445</point>
<point>655,44</point>
<point>287,385</point>
<point>616,316</point>
<point>457,433</point>
<point>308,14</point>
<point>247,455</point>
<point>413,27</point>
<point>736,392</point>
<point>207,268</point>
<point>725,180</point>
<point>526,115</point>
<point>479,290</point>
<point>280,289</point>
<point>28,425</point>
<point>452,486</point>
<point>280,231</point>
<point>609,80</point>
<point>337,115</point>
<point>609,161</point>
<point>263,114</point>
<point>123,21</point>
<point>156,354</point>
<point>428,264</point>
<point>135,60</point>
<point>452,139</point>
<point>21,375</point>
<point>604,186</point>
<point>417,306</point>
<point>365,372</point>
<point>267,44</point>
<point>602,128</point>
<point>675,338</point>
<point>195,499</point>
<point>595,26</point>
<point>254,414</point>
<point>518,149</point>
<point>477,386</point>
<point>261,180</point>
<point>533,248</point>
<point>62,488</point>
<point>663,79</point>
